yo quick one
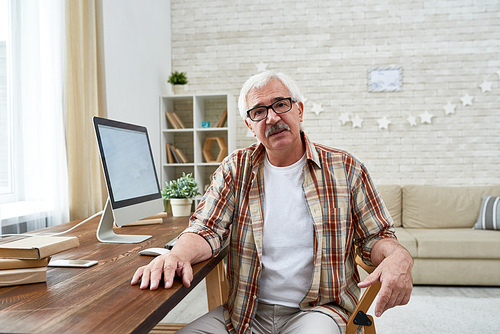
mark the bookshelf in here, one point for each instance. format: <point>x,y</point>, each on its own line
<point>183,127</point>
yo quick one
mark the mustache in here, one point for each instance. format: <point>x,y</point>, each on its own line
<point>275,128</point>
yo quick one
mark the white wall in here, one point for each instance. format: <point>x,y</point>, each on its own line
<point>447,48</point>
<point>137,62</point>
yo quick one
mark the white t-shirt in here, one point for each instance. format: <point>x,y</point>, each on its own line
<point>287,245</point>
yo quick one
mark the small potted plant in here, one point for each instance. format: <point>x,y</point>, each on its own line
<point>180,193</point>
<point>178,80</point>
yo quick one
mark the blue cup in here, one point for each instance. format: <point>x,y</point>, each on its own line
<point>205,124</point>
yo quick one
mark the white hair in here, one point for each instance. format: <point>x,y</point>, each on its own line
<point>262,79</point>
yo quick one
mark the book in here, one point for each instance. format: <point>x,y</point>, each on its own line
<point>181,155</point>
<point>172,120</point>
<point>37,247</point>
<point>222,119</point>
<point>170,156</point>
<point>178,121</point>
<point>11,277</point>
<point>19,264</point>
<point>173,150</point>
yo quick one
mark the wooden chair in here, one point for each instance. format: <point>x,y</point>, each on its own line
<point>217,294</point>
<point>359,318</point>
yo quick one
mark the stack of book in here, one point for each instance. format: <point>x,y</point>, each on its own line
<point>25,261</point>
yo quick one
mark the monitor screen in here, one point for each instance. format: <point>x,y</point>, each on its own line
<point>129,170</point>
<point>129,164</point>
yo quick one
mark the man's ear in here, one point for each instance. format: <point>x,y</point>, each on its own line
<point>301,110</point>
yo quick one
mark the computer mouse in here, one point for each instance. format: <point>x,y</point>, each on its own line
<point>154,251</point>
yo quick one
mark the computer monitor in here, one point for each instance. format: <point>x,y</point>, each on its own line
<point>131,179</point>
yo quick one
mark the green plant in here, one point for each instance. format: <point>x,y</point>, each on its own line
<point>178,78</point>
<point>183,187</point>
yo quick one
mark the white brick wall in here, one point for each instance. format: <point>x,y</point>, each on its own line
<point>446,48</point>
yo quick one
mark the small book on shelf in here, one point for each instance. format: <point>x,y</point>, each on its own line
<point>174,120</point>
<point>178,120</point>
<point>171,120</point>
<point>37,247</point>
<point>170,156</point>
<point>20,264</point>
<point>173,150</point>
<point>11,277</point>
<point>181,155</point>
<point>222,119</point>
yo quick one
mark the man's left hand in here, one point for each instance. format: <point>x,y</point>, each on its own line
<point>394,265</point>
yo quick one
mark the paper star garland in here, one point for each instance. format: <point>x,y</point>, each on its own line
<point>412,120</point>
<point>426,117</point>
<point>466,99</point>
<point>383,123</point>
<point>344,118</point>
<point>317,108</point>
<point>486,86</point>
<point>449,108</point>
<point>357,122</point>
<point>261,67</point>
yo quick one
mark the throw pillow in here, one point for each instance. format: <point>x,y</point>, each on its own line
<point>489,215</point>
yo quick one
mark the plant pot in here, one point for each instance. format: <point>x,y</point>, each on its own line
<point>181,207</point>
<point>178,89</point>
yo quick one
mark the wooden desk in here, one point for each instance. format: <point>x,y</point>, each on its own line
<point>98,299</point>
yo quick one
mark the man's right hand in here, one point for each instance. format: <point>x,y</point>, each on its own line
<point>167,265</point>
<point>190,248</point>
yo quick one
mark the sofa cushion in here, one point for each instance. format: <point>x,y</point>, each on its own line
<point>391,194</point>
<point>407,240</point>
<point>443,207</point>
<point>489,215</point>
<point>463,243</point>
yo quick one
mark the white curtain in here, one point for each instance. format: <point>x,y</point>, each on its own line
<point>38,37</point>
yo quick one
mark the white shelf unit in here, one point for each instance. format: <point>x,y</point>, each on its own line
<point>192,111</point>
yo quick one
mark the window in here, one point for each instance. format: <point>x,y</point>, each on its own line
<point>6,170</point>
<point>33,168</point>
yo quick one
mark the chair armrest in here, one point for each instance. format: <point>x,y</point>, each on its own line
<point>359,316</point>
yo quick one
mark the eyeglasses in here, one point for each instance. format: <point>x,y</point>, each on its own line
<point>280,107</point>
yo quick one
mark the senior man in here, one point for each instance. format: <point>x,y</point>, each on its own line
<point>294,212</point>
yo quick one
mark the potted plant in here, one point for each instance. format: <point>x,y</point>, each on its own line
<point>180,193</point>
<point>178,80</point>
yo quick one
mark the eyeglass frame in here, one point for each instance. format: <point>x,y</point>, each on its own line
<point>291,99</point>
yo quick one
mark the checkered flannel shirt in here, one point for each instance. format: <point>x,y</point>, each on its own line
<point>346,208</point>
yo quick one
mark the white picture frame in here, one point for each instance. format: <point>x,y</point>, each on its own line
<point>385,79</point>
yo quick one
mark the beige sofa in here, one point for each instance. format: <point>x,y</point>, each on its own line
<point>435,224</point>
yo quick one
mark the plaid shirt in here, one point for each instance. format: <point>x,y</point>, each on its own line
<point>346,209</point>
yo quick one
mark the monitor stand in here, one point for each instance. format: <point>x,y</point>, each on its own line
<point>105,230</point>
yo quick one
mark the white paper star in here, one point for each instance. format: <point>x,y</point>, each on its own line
<point>412,120</point>
<point>498,73</point>
<point>383,123</point>
<point>317,108</point>
<point>426,117</point>
<point>466,99</point>
<point>357,122</point>
<point>261,67</point>
<point>449,108</point>
<point>344,118</point>
<point>486,86</point>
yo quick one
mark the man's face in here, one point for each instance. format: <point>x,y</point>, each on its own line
<point>276,138</point>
